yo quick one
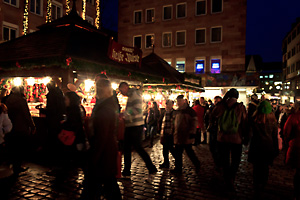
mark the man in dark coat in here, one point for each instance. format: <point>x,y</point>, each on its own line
<point>102,161</point>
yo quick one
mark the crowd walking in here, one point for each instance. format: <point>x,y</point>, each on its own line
<point>94,144</point>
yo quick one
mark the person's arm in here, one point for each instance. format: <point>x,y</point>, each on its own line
<point>134,106</point>
<point>193,122</point>
<point>245,125</point>
<point>287,130</point>
<point>275,139</point>
<point>7,125</point>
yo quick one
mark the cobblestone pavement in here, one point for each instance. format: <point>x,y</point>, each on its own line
<point>36,183</point>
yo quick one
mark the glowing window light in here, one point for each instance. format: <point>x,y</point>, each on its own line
<point>114,86</point>
<point>88,84</point>
<point>17,81</point>
<point>30,81</point>
<point>46,80</point>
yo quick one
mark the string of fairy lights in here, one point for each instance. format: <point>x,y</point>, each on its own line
<point>49,7</point>
<point>25,18</point>
<point>68,10</point>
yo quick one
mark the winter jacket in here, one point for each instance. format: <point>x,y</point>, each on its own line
<point>264,143</point>
<point>166,128</point>
<point>104,148</point>
<point>200,111</point>
<point>185,125</point>
<point>55,107</point>
<point>242,136</point>
<point>291,135</point>
<point>19,114</point>
<point>5,126</point>
<point>134,109</point>
<point>152,117</point>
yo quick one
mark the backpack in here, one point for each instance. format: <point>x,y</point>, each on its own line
<point>228,122</point>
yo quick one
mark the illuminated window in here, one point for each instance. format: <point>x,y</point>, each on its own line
<point>167,39</point>
<point>149,41</point>
<point>200,36</point>
<point>216,34</point>
<point>199,66</point>
<point>36,6</point>
<point>169,61</point>
<point>137,17</point>
<point>180,65</point>
<point>200,7</point>
<point>137,41</point>
<point>271,76</point>
<point>10,31</point>
<point>12,2</point>
<point>167,12</point>
<point>217,6</point>
<point>181,10</point>
<point>266,76</point>
<point>215,66</point>
<point>180,38</point>
<point>261,76</point>
<point>56,10</point>
<point>150,15</point>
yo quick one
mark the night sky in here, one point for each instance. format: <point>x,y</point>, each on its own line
<point>268,21</point>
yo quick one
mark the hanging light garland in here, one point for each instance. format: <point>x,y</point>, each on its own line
<point>49,7</point>
<point>83,9</point>
<point>97,20</point>
<point>25,18</point>
<point>68,7</point>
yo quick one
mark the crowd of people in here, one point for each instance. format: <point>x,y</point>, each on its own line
<point>225,125</point>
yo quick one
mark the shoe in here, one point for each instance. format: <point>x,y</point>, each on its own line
<point>153,170</point>
<point>126,174</point>
<point>176,171</point>
<point>164,165</point>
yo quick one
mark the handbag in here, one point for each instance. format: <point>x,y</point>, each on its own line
<point>67,137</point>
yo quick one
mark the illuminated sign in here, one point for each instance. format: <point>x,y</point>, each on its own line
<point>180,66</point>
<point>215,66</point>
<point>199,66</point>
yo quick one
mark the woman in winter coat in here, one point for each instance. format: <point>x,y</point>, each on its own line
<point>264,144</point>
<point>152,120</point>
<point>291,133</point>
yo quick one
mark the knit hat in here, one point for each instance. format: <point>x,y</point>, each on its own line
<point>264,107</point>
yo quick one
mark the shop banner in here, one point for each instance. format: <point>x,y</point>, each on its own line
<point>124,54</point>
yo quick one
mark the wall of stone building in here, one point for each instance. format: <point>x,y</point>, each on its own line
<point>232,20</point>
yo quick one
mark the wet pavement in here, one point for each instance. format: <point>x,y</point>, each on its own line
<point>38,183</point>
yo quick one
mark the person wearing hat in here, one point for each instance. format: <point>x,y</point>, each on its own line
<point>264,144</point>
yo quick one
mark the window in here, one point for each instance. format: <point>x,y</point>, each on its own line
<point>271,76</point>
<point>293,51</point>
<point>137,17</point>
<point>200,36</point>
<point>137,41</point>
<point>200,7</point>
<point>294,34</point>
<point>89,20</point>
<point>12,2</point>
<point>90,1</point>
<point>180,38</point>
<point>199,66</point>
<point>149,41</point>
<point>10,31</point>
<point>169,61</point>
<point>266,76</point>
<point>261,76</point>
<point>298,30</point>
<point>150,15</point>
<point>216,34</point>
<point>217,6</point>
<point>215,66</point>
<point>167,39</point>
<point>180,65</point>
<point>289,39</point>
<point>289,54</point>
<point>181,10</point>
<point>36,6</point>
<point>56,10</point>
<point>167,12</point>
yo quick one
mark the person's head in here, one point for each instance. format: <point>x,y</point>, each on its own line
<point>51,85</point>
<point>154,105</point>
<point>197,102</point>
<point>3,108</point>
<point>180,101</point>
<point>4,92</point>
<point>232,93</point>
<point>209,102</point>
<point>202,100</point>
<point>72,99</point>
<point>18,90</point>
<point>264,113</point>
<point>124,87</point>
<point>103,89</point>
<point>254,98</point>
<point>100,76</point>
<point>169,104</point>
<point>217,99</point>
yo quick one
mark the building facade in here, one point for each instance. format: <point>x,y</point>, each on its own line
<point>19,17</point>
<point>194,36</point>
<point>291,61</point>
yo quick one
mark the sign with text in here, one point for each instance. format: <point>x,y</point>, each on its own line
<point>124,54</point>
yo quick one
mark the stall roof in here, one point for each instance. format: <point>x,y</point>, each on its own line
<point>71,36</point>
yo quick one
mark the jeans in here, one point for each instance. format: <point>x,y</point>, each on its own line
<point>168,147</point>
<point>153,131</point>
<point>230,166</point>
<point>213,147</point>
<point>133,138</point>
<point>189,151</point>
